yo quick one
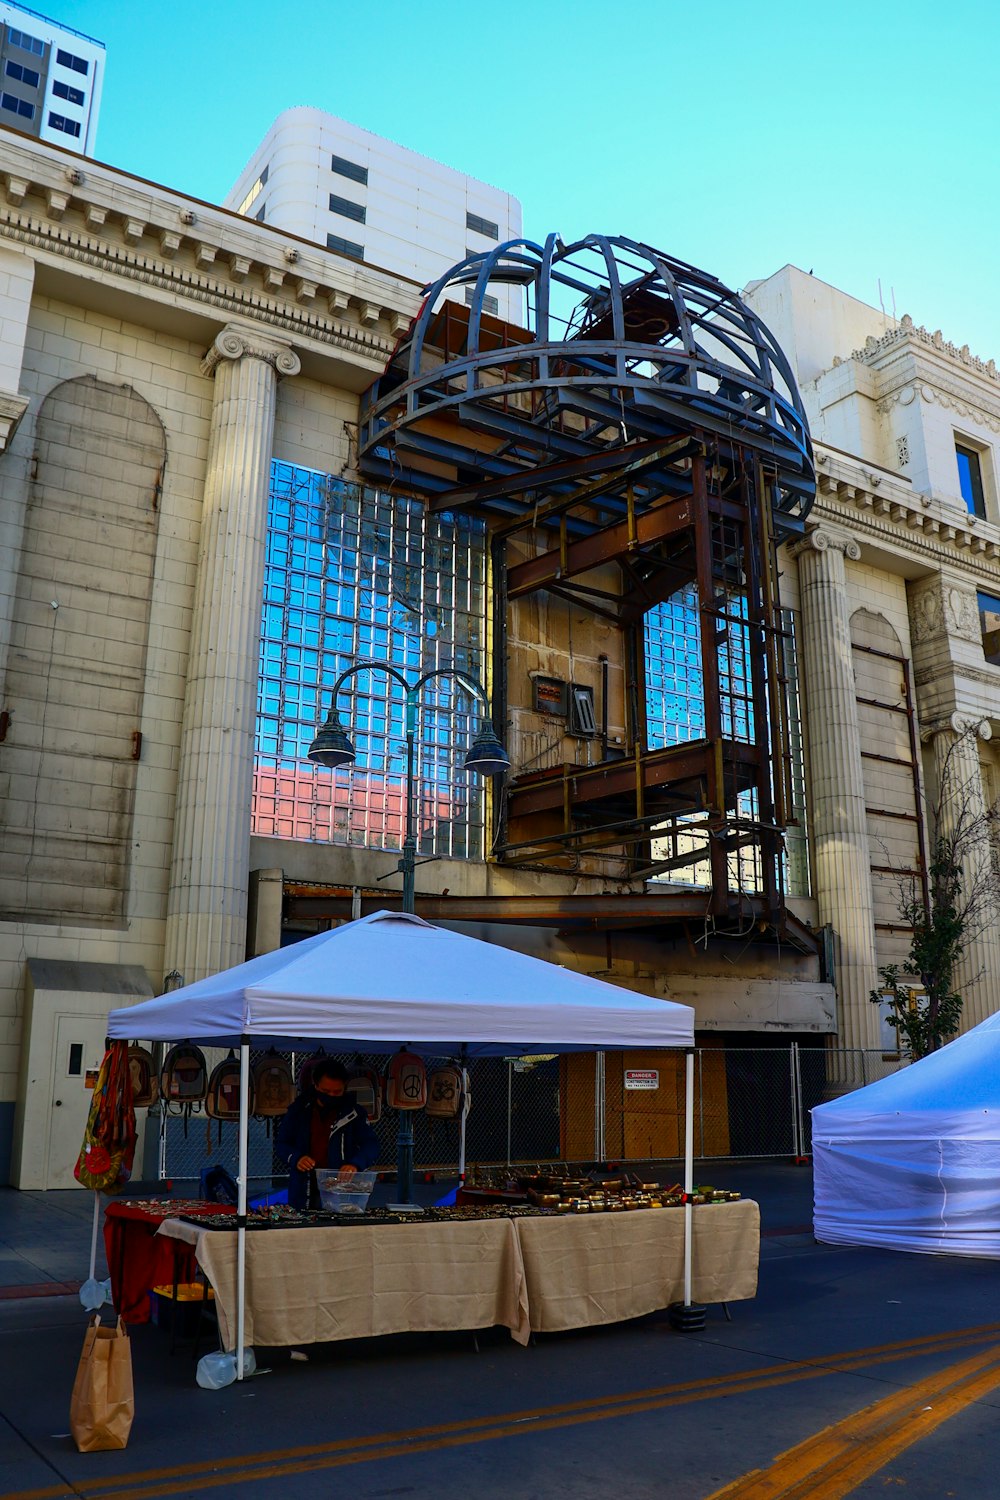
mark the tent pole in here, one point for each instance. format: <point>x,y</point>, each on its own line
<point>688,1169</point>
<point>93,1235</point>
<point>461,1122</point>
<point>241,1207</point>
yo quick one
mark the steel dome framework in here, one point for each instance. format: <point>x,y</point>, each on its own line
<point>641,435</point>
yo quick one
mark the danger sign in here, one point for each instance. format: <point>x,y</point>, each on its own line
<point>642,1078</point>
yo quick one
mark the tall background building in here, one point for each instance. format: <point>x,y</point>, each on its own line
<point>50,79</point>
<point>370,200</point>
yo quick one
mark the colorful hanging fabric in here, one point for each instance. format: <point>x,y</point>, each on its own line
<point>105,1160</point>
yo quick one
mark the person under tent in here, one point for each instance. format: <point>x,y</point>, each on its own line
<point>324,1127</point>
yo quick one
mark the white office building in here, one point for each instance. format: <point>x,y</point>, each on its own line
<point>50,79</point>
<point>368,199</point>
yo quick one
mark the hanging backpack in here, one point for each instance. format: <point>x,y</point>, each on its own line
<point>273,1086</point>
<point>364,1086</point>
<point>222,1100</point>
<point>446,1093</point>
<point>184,1075</point>
<point>142,1071</point>
<point>306,1070</point>
<point>407,1083</point>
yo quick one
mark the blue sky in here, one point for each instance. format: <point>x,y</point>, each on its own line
<point>859,140</point>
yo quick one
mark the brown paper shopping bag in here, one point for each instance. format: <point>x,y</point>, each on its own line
<point>102,1405</point>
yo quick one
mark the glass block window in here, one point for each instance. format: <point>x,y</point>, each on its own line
<point>675,686</point>
<point>354,574</point>
<point>675,714</point>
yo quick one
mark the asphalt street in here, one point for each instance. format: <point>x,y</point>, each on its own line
<point>870,1371</point>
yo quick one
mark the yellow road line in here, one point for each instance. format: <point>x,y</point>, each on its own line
<point>218,1472</point>
<point>832,1463</point>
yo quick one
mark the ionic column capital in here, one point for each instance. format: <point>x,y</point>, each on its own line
<point>827,539</point>
<point>957,724</point>
<point>236,342</point>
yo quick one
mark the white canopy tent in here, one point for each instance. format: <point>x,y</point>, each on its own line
<point>912,1162</point>
<point>390,980</point>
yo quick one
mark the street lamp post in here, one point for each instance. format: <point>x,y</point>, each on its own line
<point>332,747</point>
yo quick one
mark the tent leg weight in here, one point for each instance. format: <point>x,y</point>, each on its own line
<point>686,1318</point>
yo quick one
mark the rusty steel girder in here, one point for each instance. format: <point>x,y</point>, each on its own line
<point>642,436</point>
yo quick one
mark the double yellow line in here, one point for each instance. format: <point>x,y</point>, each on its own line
<point>835,1461</point>
<point>281,1463</point>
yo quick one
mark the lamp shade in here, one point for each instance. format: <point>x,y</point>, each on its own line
<point>332,746</point>
<point>486,754</point>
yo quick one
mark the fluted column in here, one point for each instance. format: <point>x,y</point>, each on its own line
<point>836,777</point>
<point>207,900</point>
<point>962,816</point>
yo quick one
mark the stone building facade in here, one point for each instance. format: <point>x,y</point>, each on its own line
<point>165,366</point>
<point>898,587</point>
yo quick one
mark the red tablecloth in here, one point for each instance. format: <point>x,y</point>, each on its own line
<point>137,1259</point>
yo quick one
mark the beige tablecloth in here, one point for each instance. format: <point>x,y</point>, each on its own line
<point>307,1286</point>
<point>548,1274</point>
<point>603,1268</point>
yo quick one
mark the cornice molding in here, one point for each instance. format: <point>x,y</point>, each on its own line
<point>931,675</point>
<point>907,331</point>
<point>201,256</point>
<point>900,520</point>
<point>940,393</point>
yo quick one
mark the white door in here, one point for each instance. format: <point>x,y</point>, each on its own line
<point>78,1052</point>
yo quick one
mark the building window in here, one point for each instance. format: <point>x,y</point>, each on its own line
<point>19,107</point>
<point>60,122</point>
<point>989,621</point>
<point>67,91</point>
<point>354,574</point>
<point>482,226</point>
<point>259,215</point>
<point>675,714</point>
<point>21,74</point>
<point>347,209</point>
<point>25,42</point>
<point>68,60</point>
<point>345,247</point>
<point>970,478</point>
<point>254,192</point>
<point>490,304</point>
<point>351,169</point>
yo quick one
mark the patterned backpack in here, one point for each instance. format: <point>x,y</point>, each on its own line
<point>447,1093</point>
<point>273,1086</point>
<point>406,1087</point>
<point>145,1090</point>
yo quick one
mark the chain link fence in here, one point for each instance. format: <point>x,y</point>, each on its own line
<point>579,1107</point>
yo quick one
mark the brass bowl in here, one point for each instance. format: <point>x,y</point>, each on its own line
<point>543,1200</point>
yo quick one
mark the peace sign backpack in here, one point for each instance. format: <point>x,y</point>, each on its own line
<point>406,1087</point>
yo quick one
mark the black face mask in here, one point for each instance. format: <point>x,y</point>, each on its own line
<point>325,1103</point>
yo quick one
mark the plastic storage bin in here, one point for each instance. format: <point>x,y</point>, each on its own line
<point>348,1197</point>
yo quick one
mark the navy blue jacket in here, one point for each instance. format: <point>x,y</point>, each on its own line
<point>355,1144</point>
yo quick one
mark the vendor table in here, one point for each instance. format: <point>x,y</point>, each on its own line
<point>306,1286</point>
<point>543,1274</point>
<point>604,1268</point>
<point>139,1259</point>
